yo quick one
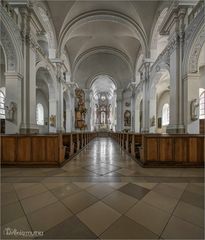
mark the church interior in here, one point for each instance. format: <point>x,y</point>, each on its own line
<point>102,119</point>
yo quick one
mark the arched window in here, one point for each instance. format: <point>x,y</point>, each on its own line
<point>202,105</point>
<point>165,114</point>
<point>40,114</point>
<point>2,106</point>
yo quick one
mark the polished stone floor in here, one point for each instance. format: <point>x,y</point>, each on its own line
<point>102,194</point>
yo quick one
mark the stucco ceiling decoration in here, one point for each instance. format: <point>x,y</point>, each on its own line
<point>110,33</point>
<point>103,26</point>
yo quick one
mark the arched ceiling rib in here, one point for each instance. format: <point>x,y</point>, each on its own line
<point>86,25</point>
<point>103,84</point>
<point>103,64</point>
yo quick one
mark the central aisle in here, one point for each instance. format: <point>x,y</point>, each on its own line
<point>103,194</point>
<point>102,157</point>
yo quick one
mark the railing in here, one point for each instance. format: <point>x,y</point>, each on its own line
<point>199,6</point>
<point>5,5</point>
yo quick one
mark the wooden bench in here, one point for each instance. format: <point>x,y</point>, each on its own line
<point>68,143</point>
<point>32,150</point>
<point>172,150</point>
<point>162,149</point>
<point>42,150</point>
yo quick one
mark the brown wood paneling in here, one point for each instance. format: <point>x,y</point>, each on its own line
<point>23,149</point>
<point>165,149</point>
<point>8,148</point>
<point>180,149</point>
<point>38,144</point>
<point>202,126</point>
<point>200,149</point>
<point>52,151</point>
<point>192,149</point>
<point>151,149</point>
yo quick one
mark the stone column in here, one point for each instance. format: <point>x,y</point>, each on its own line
<point>153,110</point>
<point>52,112</point>
<point>28,124</point>
<point>191,93</point>
<point>87,105</point>
<point>174,27</point>
<point>13,82</point>
<point>132,88</point>
<point>144,71</point>
<point>60,82</point>
<point>119,114</point>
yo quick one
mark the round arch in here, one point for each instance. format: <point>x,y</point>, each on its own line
<point>194,41</point>
<point>43,13</point>
<point>102,49</point>
<point>48,75</point>
<point>10,42</point>
<point>106,15</point>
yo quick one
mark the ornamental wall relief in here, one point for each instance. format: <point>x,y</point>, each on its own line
<point>194,56</point>
<point>9,49</point>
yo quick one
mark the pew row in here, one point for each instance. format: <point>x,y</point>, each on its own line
<point>174,150</point>
<point>43,150</point>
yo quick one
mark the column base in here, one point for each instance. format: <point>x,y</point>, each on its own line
<point>60,130</point>
<point>29,129</point>
<point>145,130</point>
<point>171,129</point>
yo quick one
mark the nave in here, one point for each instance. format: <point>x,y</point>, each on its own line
<point>102,193</point>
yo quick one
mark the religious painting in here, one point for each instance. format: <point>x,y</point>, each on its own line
<point>127,118</point>
<point>53,120</point>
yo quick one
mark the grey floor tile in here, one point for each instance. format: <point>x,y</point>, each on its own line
<point>6,187</point>
<point>125,228</point>
<point>65,190</point>
<point>21,225</point>
<point>98,217</point>
<point>161,201</point>
<point>100,190</point>
<point>149,216</point>
<point>195,188</point>
<point>134,191</point>
<point>193,199</point>
<point>38,201</point>
<point>120,201</point>
<point>30,191</point>
<point>180,229</point>
<point>71,228</point>
<point>11,212</point>
<point>168,190</point>
<point>190,213</point>
<point>49,216</point>
<point>79,201</point>
<point>8,197</point>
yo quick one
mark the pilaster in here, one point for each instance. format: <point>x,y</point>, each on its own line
<point>13,82</point>
<point>145,79</point>
<point>174,26</point>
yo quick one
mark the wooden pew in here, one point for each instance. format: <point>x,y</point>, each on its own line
<point>172,150</point>
<point>186,150</point>
<point>68,143</point>
<point>32,150</point>
<point>75,138</point>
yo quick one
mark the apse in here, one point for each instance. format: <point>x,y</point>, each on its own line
<point>103,98</point>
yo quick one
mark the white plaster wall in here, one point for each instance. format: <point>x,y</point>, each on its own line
<point>193,93</point>
<point>164,98</point>
<point>127,99</point>
<point>40,98</point>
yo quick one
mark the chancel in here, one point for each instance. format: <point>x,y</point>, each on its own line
<point>102,112</point>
